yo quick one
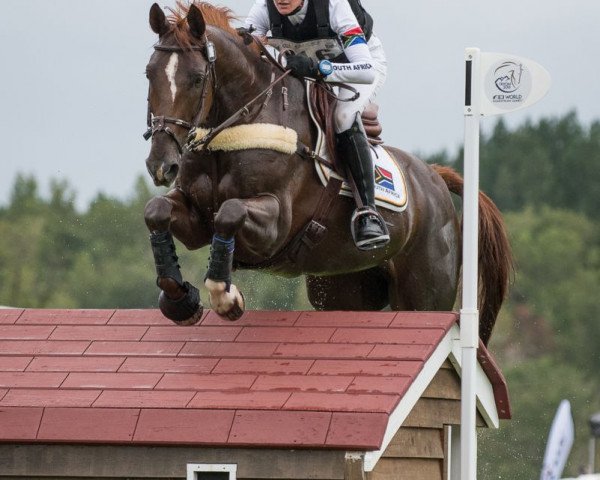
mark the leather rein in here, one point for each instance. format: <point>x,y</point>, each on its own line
<point>160,123</point>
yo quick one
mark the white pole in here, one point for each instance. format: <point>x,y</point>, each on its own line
<point>592,455</point>
<point>469,314</point>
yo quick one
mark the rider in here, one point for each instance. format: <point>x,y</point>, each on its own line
<point>355,56</point>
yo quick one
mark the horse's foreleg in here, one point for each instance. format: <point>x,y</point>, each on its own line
<point>179,301</point>
<point>254,221</point>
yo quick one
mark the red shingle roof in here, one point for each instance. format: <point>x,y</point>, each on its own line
<point>308,379</point>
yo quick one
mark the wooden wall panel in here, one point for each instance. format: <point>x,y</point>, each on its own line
<point>445,384</point>
<point>435,413</point>
<point>417,443</point>
<point>407,469</point>
<point>160,463</point>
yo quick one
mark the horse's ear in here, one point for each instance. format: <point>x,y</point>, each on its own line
<point>196,22</point>
<point>158,20</point>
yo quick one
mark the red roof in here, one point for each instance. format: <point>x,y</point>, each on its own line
<point>303,379</point>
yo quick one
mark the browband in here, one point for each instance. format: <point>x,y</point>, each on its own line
<point>166,48</point>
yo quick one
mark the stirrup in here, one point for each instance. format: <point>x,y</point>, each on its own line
<point>377,238</point>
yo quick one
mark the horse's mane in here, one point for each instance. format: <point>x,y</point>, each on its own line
<point>220,17</point>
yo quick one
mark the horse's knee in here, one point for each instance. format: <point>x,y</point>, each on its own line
<point>157,214</point>
<point>230,218</point>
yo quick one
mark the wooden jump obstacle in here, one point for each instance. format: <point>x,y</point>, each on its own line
<point>118,394</point>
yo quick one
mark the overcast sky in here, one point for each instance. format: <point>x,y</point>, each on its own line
<point>73,90</point>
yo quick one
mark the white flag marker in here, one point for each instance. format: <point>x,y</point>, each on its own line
<point>560,441</point>
<point>511,83</point>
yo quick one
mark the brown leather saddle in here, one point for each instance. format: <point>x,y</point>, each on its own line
<point>372,125</point>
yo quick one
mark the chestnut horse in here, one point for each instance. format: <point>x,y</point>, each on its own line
<point>202,71</point>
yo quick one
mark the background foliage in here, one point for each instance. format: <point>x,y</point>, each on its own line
<point>544,176</point>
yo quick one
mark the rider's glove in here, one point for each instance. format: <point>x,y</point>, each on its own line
<point>303,66</point>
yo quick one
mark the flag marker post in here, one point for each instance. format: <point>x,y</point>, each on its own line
<point>495,84</point>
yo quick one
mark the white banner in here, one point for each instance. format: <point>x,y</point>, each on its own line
<point>510,83</point>
<point>560,441</point>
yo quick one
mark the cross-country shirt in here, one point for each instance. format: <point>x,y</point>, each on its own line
<point>342,21</point>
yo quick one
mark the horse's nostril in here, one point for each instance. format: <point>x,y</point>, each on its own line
<point>171,170</point>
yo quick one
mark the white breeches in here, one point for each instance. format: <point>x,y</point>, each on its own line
<point>345,112</point>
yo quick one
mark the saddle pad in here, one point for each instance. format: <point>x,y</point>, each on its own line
<point>390,183</point>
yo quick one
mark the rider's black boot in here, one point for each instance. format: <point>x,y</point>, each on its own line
<point>368,227</point>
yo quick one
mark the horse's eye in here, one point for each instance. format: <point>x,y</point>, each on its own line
<point>198,81</point>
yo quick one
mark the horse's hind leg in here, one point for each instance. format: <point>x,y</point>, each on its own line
<point>426,277</point>
<point>179,301</point>
<point>365,290</point>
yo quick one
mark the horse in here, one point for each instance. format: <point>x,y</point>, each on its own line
<point>256,206</point>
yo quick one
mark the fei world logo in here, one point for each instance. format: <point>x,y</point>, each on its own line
<point>508,77</point>
<point>508,84</point>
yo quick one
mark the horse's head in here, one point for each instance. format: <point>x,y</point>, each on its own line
<point>179,73</point>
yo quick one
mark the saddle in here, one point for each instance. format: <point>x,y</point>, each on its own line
<point>371,123</point>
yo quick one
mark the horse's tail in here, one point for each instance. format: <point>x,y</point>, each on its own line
<point>495,255</point>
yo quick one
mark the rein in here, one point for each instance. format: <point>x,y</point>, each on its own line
<point>241,113</point>
<point>277,62</point>
<point>245,110</point>
<point>160,123</point>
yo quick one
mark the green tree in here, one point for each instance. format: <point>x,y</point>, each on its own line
<point>558,277</point>
<point>552,162</point>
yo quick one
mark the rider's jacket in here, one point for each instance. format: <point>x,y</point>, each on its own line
<point>342,41</point>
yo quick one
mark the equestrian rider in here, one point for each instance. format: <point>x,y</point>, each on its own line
<point>330,43</point>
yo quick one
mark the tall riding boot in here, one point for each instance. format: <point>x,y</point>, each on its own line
<point>368,227</point>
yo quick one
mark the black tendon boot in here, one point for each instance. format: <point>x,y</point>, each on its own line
<point>186,310</point>
<point>220,264</point>
<point>368,227</point>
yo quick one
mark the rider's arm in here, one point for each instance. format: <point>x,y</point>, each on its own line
<point>258,18</point>
<point>344,23</point>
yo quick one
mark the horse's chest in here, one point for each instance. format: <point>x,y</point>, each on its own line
<point>242,185</point>
<point>233,176</point>
<point>204,187</point>
<point>199,190</point>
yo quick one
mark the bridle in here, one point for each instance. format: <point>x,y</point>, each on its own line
<point>160,123</point>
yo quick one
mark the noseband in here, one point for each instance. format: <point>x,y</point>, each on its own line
<point>160,123</point>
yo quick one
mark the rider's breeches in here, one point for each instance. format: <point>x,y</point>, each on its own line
<point>345,113</point>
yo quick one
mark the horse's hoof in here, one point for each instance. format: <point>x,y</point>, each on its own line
<point>185,311</point>
<point>237,310</point>
<point>228,304</point>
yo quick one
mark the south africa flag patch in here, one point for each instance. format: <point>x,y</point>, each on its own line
<point>384,178</point>
<point>354,36</point>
